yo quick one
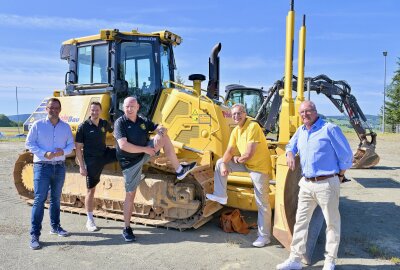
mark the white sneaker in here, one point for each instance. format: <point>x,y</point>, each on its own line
<point>289,265</point>
<point>261,241</point>
<point>329,266</point>
<point>214,198</point>
<point>90,226</point>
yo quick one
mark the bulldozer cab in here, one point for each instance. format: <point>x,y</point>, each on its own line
<point>251,98</point>
<point>123,64</point>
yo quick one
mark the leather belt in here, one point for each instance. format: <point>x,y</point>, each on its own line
<point>319,178</point>
<point>60,162</point>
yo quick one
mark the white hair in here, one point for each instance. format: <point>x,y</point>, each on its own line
<point>241,106</point>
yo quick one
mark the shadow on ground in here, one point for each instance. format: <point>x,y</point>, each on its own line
<point>378,182</point>
<point>366,232</point>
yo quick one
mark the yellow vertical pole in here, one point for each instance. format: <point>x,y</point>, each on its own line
<point>287,109</point>
<point>300,69</point>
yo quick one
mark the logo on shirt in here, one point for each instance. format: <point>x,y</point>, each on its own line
<point>103,129</point>
<point>142,126</point>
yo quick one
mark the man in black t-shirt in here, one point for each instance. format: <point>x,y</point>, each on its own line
<point>91,137</point>
<point>134,149</point>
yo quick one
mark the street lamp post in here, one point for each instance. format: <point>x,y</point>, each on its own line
<point>384,95</point>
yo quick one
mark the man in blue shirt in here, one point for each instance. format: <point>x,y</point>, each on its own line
<point>325,155</point>
<point>49,140</point>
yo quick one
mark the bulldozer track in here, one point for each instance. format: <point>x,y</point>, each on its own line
<point>158,174</point>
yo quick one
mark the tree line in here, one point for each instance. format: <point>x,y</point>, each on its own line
<point>6,122</point>
<point>392,103</point>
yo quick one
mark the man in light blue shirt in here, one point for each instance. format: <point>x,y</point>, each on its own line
<point>50,140</point>
<point>325,155</point>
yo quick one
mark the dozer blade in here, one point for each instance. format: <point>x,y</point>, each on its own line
<point>365,157</point>
<point>286,195</point>
<point>286,198</point>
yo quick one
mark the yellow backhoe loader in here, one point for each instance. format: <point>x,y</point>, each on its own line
<point>264,106</point>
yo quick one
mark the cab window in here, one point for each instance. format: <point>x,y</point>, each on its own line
<point>93,64</point>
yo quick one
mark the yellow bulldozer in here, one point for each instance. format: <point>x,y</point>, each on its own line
<point>113,65</point>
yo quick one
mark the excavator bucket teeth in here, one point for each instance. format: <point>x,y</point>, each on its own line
<point>365,157</point>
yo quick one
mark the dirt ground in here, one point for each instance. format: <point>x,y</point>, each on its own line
<point>370,209</point>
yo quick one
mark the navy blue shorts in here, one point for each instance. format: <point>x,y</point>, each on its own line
<point>95,165</point>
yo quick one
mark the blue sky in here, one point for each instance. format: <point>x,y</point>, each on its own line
<point>345,40</point>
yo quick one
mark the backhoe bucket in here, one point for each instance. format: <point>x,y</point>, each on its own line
<point>365,157</point>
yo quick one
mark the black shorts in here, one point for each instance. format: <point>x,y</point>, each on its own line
<point>95,165</point>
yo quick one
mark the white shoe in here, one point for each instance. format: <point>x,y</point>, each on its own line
<point>289,265</point>
<point>214,198</point>
<point>90,226</point>
<point>261,241</point>
<point>329,266</point>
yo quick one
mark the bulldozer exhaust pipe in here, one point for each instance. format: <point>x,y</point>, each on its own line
<point>213,73</point>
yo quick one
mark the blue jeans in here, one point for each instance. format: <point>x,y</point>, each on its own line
<point>47,176</point>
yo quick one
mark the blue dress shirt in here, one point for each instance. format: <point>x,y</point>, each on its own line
<point>44,137</point>
<point>323,149</point>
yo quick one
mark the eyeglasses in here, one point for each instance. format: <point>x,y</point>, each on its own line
<point>306,111</point>
<point>236,113</point>
<point>54,108</point>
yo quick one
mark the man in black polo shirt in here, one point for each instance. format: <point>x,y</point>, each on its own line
<point>91,137</point>
<point>134,149</point>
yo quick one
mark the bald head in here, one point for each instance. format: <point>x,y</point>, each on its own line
<point>129,100</point>
<point>131,107</point>
<point>309,103</point>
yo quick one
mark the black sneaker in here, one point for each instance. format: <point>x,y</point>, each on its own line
<point>128,235</point>
<point>185,170</point>
<point>34,244</point>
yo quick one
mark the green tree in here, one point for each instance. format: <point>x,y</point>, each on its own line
<point>179,79</point>
<point>5,122</point>
<point>392,104</point>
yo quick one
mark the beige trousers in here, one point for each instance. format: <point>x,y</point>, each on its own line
<point>261,192</point>
<point>325,194</point>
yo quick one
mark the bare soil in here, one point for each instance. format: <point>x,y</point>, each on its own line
<point>370,209</point>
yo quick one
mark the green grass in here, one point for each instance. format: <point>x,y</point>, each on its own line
<point>377,252</point>
<point>11,131</point>
<point>395,260</point>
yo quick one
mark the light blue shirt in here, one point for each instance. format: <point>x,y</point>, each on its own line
<point>323,149</point>
<point>44,137</point>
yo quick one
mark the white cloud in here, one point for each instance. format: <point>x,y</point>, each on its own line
<point>90,24</point>
<point>31,68</point>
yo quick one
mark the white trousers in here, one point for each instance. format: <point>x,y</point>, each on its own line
<point>261,191</point>
<point>324,193</point>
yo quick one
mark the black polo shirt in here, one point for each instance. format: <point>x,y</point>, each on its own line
<point>93,137</point>
<point>136,133</point>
